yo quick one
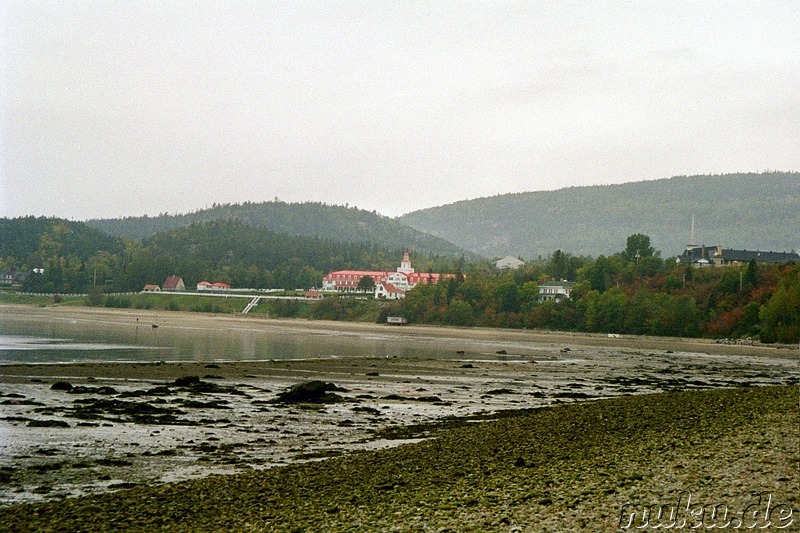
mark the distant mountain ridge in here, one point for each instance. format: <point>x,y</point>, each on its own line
<point>744,211</point>
<point>307,219</point>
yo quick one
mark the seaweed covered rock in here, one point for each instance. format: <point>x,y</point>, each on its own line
<point>186,381</point>
<point>311,392</point>
<point>194,384</point>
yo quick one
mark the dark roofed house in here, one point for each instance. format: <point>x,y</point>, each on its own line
<point>723,257</point>
<point>695,255</point>
<point>719,256</point>
<point>173,283</point>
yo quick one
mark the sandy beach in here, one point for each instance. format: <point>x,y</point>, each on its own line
<point>199,321</point>
<point>140,431</point>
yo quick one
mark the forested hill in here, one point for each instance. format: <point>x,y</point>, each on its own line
<point>73,257</point>
<point>309,219</point>
<point>29,242</point>
<point>743,211</point>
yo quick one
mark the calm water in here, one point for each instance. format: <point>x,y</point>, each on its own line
<point>47,340</point>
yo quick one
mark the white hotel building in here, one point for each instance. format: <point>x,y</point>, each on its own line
<point>400,281</point>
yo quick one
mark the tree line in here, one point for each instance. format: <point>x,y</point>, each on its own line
<point>632,292</point>
<point>63,256</point>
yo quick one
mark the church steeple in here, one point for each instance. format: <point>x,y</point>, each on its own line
<point>691,237</point>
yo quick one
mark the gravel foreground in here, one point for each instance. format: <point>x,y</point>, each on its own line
<point>579,467</point>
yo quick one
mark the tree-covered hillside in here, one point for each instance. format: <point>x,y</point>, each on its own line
<point>309,219</point>
<point>70,257</point>
<point>246,256</point>
<point>743,211</point>
<point>622,293</point>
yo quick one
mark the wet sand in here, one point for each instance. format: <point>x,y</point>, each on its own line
<point>205,322</point>
<point>122,426</point>
<point>589,466</point>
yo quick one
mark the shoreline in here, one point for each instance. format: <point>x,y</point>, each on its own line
<point>131,424</point>
<point>584,466</point>
<point>183,319</point>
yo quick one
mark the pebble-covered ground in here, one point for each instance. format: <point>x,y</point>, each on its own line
<point>75,429</point>
<point>587,466</point>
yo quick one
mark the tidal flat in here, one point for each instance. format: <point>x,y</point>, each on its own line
<point>75,432</point>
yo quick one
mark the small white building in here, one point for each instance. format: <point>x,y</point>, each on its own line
<point>508,262</point>
<point>555,290</point>
<point>386,291</point>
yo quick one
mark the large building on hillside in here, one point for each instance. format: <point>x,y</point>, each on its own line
<point>403,279</point>
<point>701,256</point>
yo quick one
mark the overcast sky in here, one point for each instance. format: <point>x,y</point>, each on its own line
<point>117,108</point>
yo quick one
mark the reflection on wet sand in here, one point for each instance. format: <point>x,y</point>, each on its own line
<point>109,424</point>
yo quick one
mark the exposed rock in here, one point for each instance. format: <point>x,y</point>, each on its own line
<point>186,381</point>
<point>19,401</point>
<point>47,424</point>
<point>138,412</point>
<point>311,392</point>
<point>500,391</point>
<point>79,389</point>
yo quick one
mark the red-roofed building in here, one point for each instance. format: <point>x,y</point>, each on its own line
<point>173,283</point>
<point>404,279</point>
<point>204,286</point>
<point>388,291</point>
<point>220,286</point>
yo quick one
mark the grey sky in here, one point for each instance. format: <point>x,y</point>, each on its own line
<point>129,108</point>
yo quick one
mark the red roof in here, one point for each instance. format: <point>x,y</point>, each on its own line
<point>204,284</point>
<point>171,282</point>
<point>388,287</point>
<point>359,273</point>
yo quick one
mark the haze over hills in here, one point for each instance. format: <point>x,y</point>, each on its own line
<point>743,211</point>
<point>308,219</point>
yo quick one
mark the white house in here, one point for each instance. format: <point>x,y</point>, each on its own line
<point>555,290</point>
<point>387,291</point>
<point>508,262</point>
